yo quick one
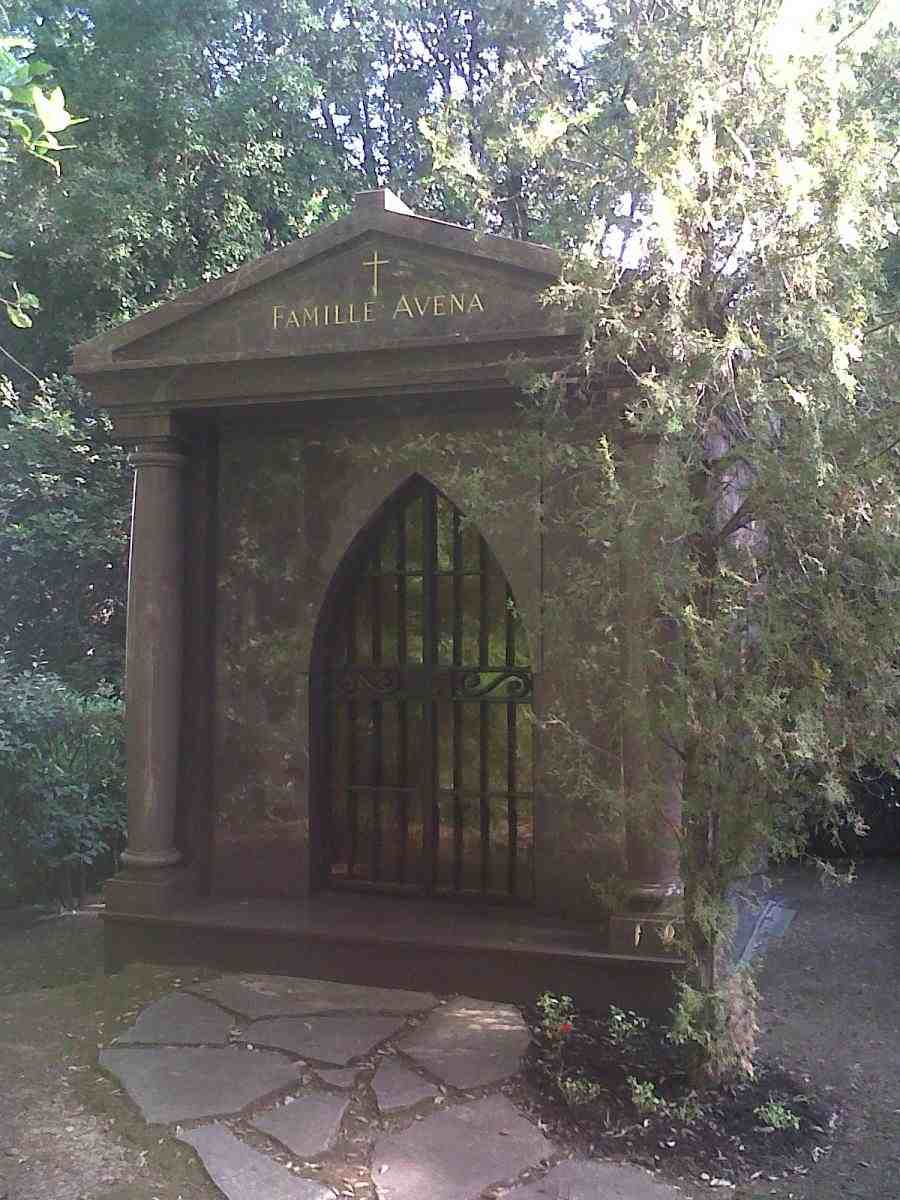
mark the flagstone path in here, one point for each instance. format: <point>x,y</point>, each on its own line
<point>299,1089</point>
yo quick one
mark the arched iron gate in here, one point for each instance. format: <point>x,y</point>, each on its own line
<point>426,733</point>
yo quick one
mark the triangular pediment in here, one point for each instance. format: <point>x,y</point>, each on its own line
<point>380,278</point>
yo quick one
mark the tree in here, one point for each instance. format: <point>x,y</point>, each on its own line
<point>63,539</point>
<point>220,131</point>
<point>217,132</point>
<point>30,121</point>
<point>734,285</point>
<point>201,154</point>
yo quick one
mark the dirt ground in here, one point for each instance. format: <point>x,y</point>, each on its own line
<point>66,1132</point>
<point>830,1009</point>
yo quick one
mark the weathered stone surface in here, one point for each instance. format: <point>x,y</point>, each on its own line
<point>308,1125</point>
<point>276,995</point>
<point>420,265</point>
<point>243,1173</point>
<point>396,1086</point>
<point>169,1084</point>
<point>469,1042</point>
<point>579,1179</point>
<point>179,1019</point>
<point>326,1039</point>
<point>458,1152</point>
<point>340,1079</point>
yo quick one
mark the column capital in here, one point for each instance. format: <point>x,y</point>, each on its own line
<point>158,451</point>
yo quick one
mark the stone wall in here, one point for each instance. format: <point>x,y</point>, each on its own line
<point>292,503</point>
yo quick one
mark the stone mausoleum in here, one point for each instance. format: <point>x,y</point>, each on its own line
<point>337,658</point>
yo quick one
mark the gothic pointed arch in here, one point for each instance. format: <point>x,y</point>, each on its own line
<point>422,750</point>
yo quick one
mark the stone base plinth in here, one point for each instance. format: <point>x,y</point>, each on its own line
<point>149,891</point>
<point>388,942</point>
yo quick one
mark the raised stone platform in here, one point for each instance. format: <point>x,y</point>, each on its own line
<point>489,952</point>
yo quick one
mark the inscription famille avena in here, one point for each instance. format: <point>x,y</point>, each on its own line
<point>410,306</point>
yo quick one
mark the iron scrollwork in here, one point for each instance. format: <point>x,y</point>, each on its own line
<point>507,685</point>
<point>370,684</point>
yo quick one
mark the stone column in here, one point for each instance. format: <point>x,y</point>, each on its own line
<point>151,881</point>
<point>651,772</point>
<point>652,781</point>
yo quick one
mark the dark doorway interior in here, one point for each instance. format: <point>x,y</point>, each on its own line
<point>426,732</point>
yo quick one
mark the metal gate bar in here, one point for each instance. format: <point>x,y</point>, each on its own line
<point>425,638</point>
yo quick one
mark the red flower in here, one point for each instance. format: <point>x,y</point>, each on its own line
<point>565,1027</point>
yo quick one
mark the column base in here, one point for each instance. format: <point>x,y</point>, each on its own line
<point>651,923</point>
<point>150,891</point>
<point>147,860</point>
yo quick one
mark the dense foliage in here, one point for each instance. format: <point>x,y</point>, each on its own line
<point>62,785</point>
<point>63,538</point>
<point>736,282</point>
<point>30,119</point>
<point>218,131</point>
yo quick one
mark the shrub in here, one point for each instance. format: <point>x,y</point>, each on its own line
<point>775,1115</point>
<point>62,785</point>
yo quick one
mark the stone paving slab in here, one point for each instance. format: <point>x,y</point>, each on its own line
<point>308,1125</point>
<point>179,1019</point>
<point>169,1084</point>
<point>582,1179</point>
<point>396,1086</point>
<point>327,1039</point>
<point>177,1064</point>
<point>279,995</point>
<point>458,1152</point>
<point>469,1043</point>
<point>242,1173</point>
<point>344,1078</point>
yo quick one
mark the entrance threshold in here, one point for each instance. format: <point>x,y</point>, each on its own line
<point>489,952</point>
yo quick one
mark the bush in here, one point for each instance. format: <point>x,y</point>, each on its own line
<point>62,786</point>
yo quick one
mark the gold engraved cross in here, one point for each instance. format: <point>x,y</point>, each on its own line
<point>375,262</point>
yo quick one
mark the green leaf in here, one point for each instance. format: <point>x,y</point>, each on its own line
<point>18,317</point>
<point>51,109</point>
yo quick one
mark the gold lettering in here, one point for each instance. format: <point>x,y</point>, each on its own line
<point>355,312</point>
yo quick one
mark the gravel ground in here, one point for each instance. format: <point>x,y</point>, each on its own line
<point>831,1009</point>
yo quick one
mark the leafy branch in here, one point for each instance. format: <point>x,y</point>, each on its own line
<point>30,119</point>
